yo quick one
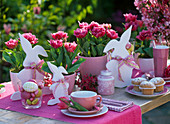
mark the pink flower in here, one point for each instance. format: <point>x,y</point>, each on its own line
<point>37,10</point>
<point>92,25</point>
<point>140,23</point>
<point>70,47</point>
<point>111,34</point>
<point>59,35</point>
<point>107,26</point>
<point>129,17</point>
<point>83,25</point>
<point>64,102</point>
<point>98,31</point>
<point>11,44</point>
<point>7,28</point>
<point>30,37</point>
<point>144,35</point>
<point>56,43</point>
<point>80,33</point>
<point>134,25</point>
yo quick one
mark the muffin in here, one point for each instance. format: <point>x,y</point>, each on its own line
<point>147,87</point>
<point>136,82</point>
<point>159,83</point>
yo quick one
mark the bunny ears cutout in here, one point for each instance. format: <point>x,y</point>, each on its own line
<point>124,39</point>
<point>31,53</point>
<point>57,71</point>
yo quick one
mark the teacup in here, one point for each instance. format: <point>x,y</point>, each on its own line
<point>87,99</point>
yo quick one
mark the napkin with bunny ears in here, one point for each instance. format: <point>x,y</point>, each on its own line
<point>121,64</point>
<point>59,88</point>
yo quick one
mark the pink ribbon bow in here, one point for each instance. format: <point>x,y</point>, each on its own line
<point>38,68</point>
<point>129,61</point>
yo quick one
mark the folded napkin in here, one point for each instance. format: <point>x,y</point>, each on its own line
<point>116,105</point>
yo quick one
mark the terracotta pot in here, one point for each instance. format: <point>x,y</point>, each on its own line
<point>146,64</point>
<point>71,80</point>
<point>16,83</point>
<point>93,65</point>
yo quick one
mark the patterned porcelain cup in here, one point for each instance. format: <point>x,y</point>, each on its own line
<point>87,99</point>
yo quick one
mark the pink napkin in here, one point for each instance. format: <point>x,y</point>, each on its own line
<point>116,105</point>
<point>129,116</point>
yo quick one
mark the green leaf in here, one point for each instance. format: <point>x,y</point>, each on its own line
<point>92,43</point>
<point>100,48</point>
<point>76,65</point>
<point>74,54</point>
<point>7,56</point>
<point>46,68</point>
<point>86,46</point>
<point>68,61</point>
<point>93,51</point>
<point>60,57</point>
<point>149,51</point>
<point>90,9</point>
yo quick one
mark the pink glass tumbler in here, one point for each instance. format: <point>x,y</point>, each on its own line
<point>160,55</point>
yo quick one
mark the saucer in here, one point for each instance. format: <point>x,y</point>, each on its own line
<point>2,90</point>
<point>74,111</point>
<point>103,111</point>
<point>130,90</point>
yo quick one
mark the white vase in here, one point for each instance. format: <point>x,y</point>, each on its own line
<point>146,64</point>
<point>16,83</point>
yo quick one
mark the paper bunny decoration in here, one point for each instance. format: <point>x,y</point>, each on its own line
<point>122,63</point>
<point>31,57</point>
<point>59,88</point>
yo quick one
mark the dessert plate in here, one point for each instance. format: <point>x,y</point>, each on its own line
<point>130,90</point>
<point>2,90</point>
<point>74,111</point>
<point>103,111</point>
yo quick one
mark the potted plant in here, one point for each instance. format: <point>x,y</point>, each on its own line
<point>15,55</point>
<point>63,53</point>
<point>92,39</point>
<point>141,38</point>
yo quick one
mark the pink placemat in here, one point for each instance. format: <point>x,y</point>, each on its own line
<point>129,116</point>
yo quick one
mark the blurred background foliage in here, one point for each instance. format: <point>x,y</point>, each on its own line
<point>43,17</point>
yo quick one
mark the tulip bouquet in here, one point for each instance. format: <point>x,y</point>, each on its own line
<point>93,37</point>
<point>14,53</point>
<point>62,53</point>
<point>141,37</point>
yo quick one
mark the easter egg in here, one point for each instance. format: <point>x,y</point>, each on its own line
<point>30,86</point>
<point>35,101</point>
<point>28,102</point>
<point>39,93</point>
<point>25,95</point>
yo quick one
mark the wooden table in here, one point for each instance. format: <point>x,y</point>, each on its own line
<point>146,105</point>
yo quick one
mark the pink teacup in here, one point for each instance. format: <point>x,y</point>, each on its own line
<point>87,99</point>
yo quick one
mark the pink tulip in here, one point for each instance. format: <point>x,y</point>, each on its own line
<point>98,31</point>
<point>144,35</point>
<point>30,37</point>
<point>64,102</point>
<point>11,44</point>
<point>107,26</point>
<point>59,35</point>
<point>111,34</point>
<point>56,43</point>
<point>70,47</point>
<point>7,28</point>
<point>83,25</point>
<point>80,33</point>
<point>129,17</point>
<point>92,25</point>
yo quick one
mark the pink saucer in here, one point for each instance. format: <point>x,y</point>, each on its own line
<point>74,111</point>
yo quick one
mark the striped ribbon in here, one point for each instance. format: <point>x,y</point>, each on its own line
<point>129,61</point>
<point>37,67</point>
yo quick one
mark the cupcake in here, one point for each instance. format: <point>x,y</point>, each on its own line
<point>147,87</point>
<point>136,82</point>
<point>159,83</point>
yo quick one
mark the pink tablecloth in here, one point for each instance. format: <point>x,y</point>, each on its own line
<point>129,116</point>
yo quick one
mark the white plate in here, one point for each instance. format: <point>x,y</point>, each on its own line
<point>130,90</point>
<point>2,90</point>
<point>103,111</point>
